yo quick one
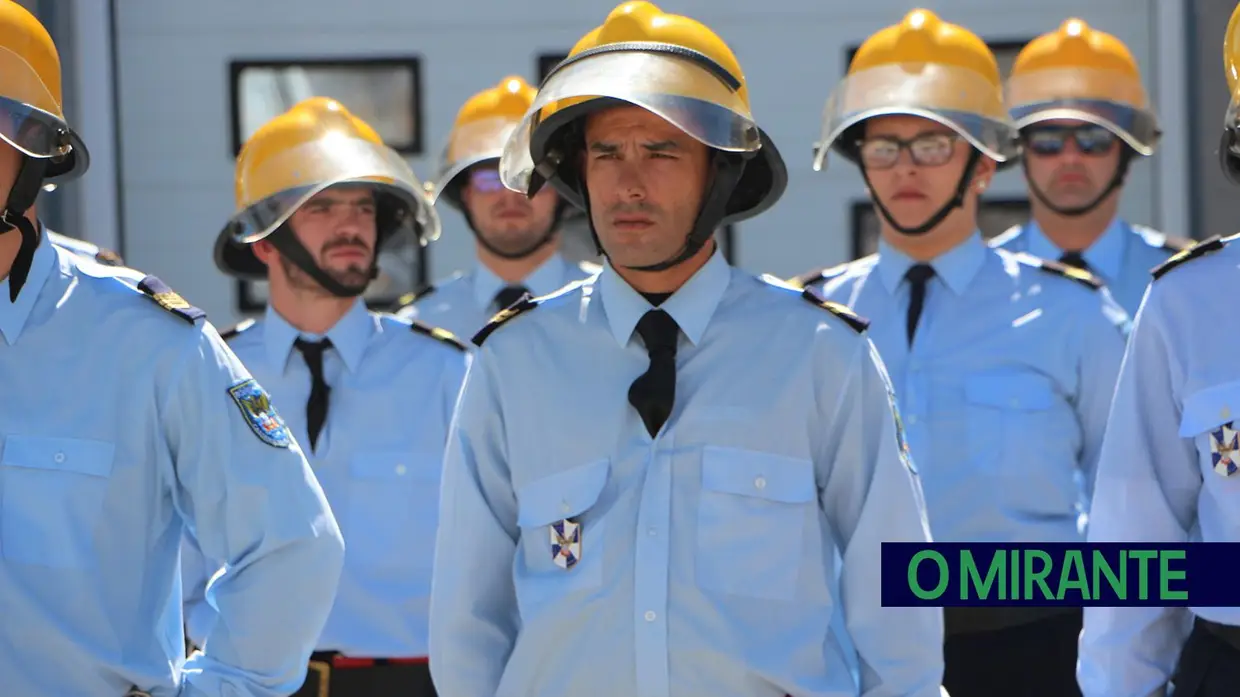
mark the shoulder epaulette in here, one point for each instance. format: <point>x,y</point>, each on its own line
<point>1006,236</point>
<point>811,277</point>
<point>852,319</point>
<point>1201,249</point>
<point>440,334</point>
<point>234,331</point>
<point>166,298</point>
<point>410,298</point>
<point>522,306</point>
<point>108,257</point>
<point>1161,240</point>
<point>1081,276</point>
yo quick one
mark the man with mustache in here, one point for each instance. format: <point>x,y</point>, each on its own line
<point>516,238</point>
<point>318,196</point>
<point>1170,467</point>
<point>655,472</point>
<point>1003,363</point>
<point>1076,96</point>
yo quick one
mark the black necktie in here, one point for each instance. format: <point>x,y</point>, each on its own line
<point>917,275</point>
<point>1074,259</point>
<point>316,407</point>
<point>509,296</point>
<point>654,392</point>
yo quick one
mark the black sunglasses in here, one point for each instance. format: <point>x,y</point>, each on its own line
<point>1048,141</point>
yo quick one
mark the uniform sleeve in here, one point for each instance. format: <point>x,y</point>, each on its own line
<point>249,499</point>
<point>196,571</point>
<point>473,613</point>
<point>1101,352</point>
<point>453,380</point>
<point>872,495</point>
<point>1147,488</point>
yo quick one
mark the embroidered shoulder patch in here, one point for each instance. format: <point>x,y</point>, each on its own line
<point>1201,249</point>
<point>439,334</point>
<point>503,316</point>
<point>260,414</point>
<point>234,331</point>
<point>852,319</point>
<point>410,298</point>
<point>1081,276</point>
<point>166,298</point>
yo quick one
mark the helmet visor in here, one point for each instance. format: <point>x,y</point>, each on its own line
<point>473,143</point>
<point>956,97</point>
<point>1106,98</point>
<point>676,89</point>
<point>298,174</point>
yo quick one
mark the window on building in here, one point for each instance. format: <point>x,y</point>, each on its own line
<point>993,217</point>
<point>384,92</point>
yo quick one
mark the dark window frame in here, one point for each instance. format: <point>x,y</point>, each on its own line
<point>416,143</point>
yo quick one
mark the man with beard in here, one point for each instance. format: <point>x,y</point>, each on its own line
<point>1003,363</point>
<point>318,195</point>
<point>1076,96</point>
<point>517,238</point>
<point>669,478</point>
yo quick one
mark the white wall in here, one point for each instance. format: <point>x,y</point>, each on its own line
<point>175,109</point>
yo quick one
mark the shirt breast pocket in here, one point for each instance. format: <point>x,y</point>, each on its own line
<point>53,495</point>
<point>1208,420</point>
<point>752,516</point>
<point>393,509</point>
<point>1006,412</point>
<point>562,534</point>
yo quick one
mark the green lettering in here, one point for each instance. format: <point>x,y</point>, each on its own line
<point>1103,567</point>
<point>915,586</point>
<point>1039,576</point>
<point>1143,571</point>
<point>1073,563</point>
<point>1166,575</point>
<point>970,578</point>
<point>1014,561</point>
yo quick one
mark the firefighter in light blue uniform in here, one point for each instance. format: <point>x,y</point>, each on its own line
<point>1003,363</point>
<point>1170,464</point>
<point>370,396</point>
<point>681,541</point>
<point>517,239</point>
<point>85,249</point>
<point>1076,96</point>
<point>127,423</point>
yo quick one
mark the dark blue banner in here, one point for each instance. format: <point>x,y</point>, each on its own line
<point>1072,575</point>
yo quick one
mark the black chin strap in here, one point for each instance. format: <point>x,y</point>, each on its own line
<point>726,171</point>
<point>1117,180</point>
<point>288,245</point>
<point>21,197</point>
<point>957,200</point>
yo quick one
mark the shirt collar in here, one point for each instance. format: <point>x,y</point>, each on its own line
<point>549,277</point>
<point>1105,256</point>
<point>956,268</point>
<point>13,316</point>
<point>692,306</point>
<point>349,336</point>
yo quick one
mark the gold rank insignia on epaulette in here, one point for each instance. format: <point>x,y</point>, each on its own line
<point>166,298</point>
<point>811,277</point>
<point>852,319</point>
<point>525,304</point>
<point>1201,249</point>
<point>410,298</point>
<point>234,331</point>
<point>439,334</point>
<point>1081,276</point>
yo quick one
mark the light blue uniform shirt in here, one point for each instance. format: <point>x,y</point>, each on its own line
<point>1122,257</point>
<point>118,434</point>
<point>1005,390</point>
<point>1175,412</point>
<point>378,457</point>
<point>464,303</point>
<point>707,556</point>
